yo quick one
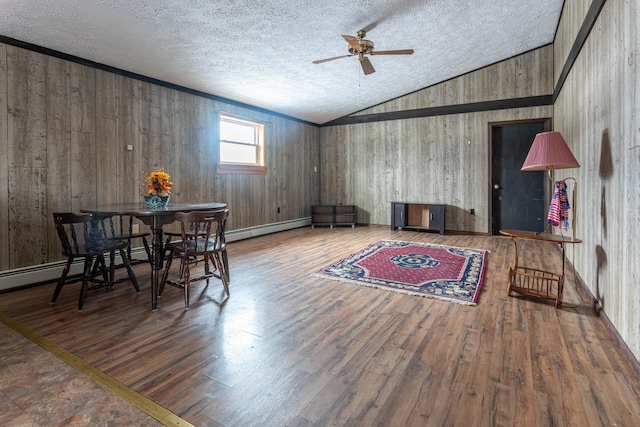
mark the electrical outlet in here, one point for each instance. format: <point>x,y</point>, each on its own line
<point>472,211</point>
<point>278,210</point>
<point>135,228</point>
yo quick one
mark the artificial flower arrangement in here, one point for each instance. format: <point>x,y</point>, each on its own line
<point>156,187</point>
<point>158,183</point>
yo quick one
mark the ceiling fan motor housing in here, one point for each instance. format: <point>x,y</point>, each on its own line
<point>366,46</point>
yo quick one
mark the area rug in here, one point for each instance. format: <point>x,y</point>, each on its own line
<point>427,270</point>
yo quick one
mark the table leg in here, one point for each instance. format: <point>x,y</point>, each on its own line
<point>513,268</point>
<point>561,281</point>
<point>157,257</point>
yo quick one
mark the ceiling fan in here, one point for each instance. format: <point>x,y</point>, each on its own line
<point>358,45</point>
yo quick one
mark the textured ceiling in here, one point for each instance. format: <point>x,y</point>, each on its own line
<point>261,52</point>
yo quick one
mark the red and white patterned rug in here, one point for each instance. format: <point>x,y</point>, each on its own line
<point>434,271</point>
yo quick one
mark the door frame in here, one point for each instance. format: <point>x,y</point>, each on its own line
<point>548,126</point>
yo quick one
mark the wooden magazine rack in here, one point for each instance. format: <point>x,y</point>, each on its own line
<point>534,281</point>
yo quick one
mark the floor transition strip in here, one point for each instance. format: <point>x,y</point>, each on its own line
<point>136,399</point>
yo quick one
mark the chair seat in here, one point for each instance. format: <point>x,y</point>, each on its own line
<point>105,246</point>
<point>129,236</point>
<point>195,247</point>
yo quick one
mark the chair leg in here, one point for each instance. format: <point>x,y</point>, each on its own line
<point>112,267</point>
<point>147,249</point>
<point>100,268</point>
<point>187,277</point>
<point>129,249</point>
<point>207,270</point>
<point>181,270</point>
<point>225,260</point>
<point>166,249</point>
<point>127,264</point>
<point>223,272</point>
<point>86,277</point>
<point>63,278</point>
<point>167,266</point>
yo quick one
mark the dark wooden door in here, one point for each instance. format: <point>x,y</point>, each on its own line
<point>518,198</point>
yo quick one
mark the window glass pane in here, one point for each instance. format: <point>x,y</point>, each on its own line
<point>237,153</point>
<point>230,131</point>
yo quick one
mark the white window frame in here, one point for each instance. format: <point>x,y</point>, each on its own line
<point>259,167</point>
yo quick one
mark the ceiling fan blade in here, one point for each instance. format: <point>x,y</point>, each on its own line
<point>367,67</point>
<point>353,42</point>
<point>320,61</point>
<point>392,52</point>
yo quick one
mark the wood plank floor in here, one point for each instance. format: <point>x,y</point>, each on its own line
<point>290,349</point>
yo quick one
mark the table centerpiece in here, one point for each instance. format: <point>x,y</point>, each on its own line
<point>157,188</point>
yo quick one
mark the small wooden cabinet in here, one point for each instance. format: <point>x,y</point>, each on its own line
<point>333,215</point>
<point>417,216</point>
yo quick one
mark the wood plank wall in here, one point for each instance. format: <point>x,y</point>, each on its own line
<point>597,112</point>
<point>64,131</point>
<point>441,159</point>
<point>573,15</point>
<point>4,160</point>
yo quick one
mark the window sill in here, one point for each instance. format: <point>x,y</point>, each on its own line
<point>241,169</point>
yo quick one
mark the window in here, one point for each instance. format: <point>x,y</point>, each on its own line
<point>242,146</point>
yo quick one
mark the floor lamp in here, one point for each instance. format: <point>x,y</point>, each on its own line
<point>549,152</point>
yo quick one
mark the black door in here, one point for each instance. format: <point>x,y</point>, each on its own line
<point>518,198</point>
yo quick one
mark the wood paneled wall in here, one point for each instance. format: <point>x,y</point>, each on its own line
<point>597,112</point>
<point>441,159</point>
<point>64,131</point>
<point>529,74</point>
<point>4,161</point>
<point>573,15</point>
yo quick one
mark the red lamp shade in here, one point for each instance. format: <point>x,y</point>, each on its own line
<point>549,151</point>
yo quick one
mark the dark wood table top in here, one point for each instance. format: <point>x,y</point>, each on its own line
<point>535,235</point>
<point>141,209</point>
<point>160,215</point>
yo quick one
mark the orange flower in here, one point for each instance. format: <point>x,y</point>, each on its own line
<point>157,183</point>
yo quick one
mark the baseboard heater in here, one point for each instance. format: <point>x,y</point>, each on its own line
<point>28,276</point>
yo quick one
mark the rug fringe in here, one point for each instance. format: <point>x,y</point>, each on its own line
<point>435,245</point>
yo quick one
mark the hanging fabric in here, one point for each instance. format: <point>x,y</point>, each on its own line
<point>559,207</point>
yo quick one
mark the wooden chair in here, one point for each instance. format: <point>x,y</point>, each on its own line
<point>171,236</point>
<point>82,238</point>
<point>202,236</point>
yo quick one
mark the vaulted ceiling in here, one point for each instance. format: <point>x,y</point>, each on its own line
<point>260,52</point>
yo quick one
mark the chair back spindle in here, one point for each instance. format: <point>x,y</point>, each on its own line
<point>73,242</point>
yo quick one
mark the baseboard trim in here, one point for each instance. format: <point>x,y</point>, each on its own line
<point>260,230</point>
<point>42,273</point>
<point>597,308</point>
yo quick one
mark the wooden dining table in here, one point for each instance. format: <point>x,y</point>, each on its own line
<point>155,218</point>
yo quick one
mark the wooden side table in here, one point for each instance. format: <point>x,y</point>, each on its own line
<point>533,281</point>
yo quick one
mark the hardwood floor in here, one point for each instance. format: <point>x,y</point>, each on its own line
<point>290,349</point>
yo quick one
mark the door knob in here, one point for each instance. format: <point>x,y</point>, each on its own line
<point>496,187</point>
